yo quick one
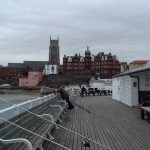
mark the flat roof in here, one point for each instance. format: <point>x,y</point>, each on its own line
<point>142,69</point>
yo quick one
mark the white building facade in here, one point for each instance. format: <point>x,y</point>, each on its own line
<point>130,86</point>
<point>103,84</point>
<point>137,64</point>
<point>50,69</point>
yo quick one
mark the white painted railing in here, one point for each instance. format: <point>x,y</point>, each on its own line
<point>13,111</point>
<point>35,103</point>
<point>19,140</point>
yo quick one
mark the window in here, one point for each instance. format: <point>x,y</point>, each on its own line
<point>35,77</point>
<point>134,84</point>
<point>147,79</point>
<point>52,69</point>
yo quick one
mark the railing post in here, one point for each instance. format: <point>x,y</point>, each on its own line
<point>17,111</point>
<point>18,140</point>
<point>58,106</point>
<point>52,120</point>
<point>61,110</point>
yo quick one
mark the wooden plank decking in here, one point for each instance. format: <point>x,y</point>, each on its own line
<point>110,123</point>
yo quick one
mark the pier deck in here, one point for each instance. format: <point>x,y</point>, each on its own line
<point>110,123</point>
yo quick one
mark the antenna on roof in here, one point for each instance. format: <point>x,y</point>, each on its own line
<point>50,38</point>
<point>58,38</point>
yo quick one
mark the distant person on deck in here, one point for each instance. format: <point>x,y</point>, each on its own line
<point>65,96</point>
<point>83,90</point>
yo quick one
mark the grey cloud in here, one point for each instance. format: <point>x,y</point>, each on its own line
<point>119,26</point>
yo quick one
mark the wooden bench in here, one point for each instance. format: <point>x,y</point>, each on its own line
<point>146,102</point>
<point>33,123</point>
<point>145,111</point>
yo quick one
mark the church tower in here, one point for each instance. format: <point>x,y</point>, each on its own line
<point>54,52</point>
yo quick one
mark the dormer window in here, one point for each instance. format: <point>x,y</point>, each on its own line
<point>69,59</point>
<point>93,58</point>
<point>81,59</point>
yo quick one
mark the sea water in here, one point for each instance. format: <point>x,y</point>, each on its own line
<point>16,97</point>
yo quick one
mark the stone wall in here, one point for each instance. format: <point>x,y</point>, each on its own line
<point>55,80</point>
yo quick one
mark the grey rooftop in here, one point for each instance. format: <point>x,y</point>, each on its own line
<point>110,123</point>
<point>130,72</point>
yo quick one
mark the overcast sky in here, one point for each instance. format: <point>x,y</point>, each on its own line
<point>121,27</point>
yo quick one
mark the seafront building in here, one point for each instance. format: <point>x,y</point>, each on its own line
<point>33,79</point>
<point>124,67</point>
<point>11,74</point>
<point>137,64</point>
<point>104,65</point>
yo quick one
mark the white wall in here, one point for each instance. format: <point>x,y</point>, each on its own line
<point>116,88</point>
<point>108,86</point>
<point>97,85</point>
<point>101,84</point>
<point>125,90</point>
<point>51,69</point>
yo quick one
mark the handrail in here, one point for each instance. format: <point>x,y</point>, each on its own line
<point>27,105</point>
<point>73,132</point>
<point>18,140</point>
<point>62,102</point>
<point>52,119</point>
<point>61,109</point>
<point>47,115</point>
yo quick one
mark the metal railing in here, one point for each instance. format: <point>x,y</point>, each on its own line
<point>78,134</point>
<point>42,137</point>
<point>14,110</point>
<point>19,140</point>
